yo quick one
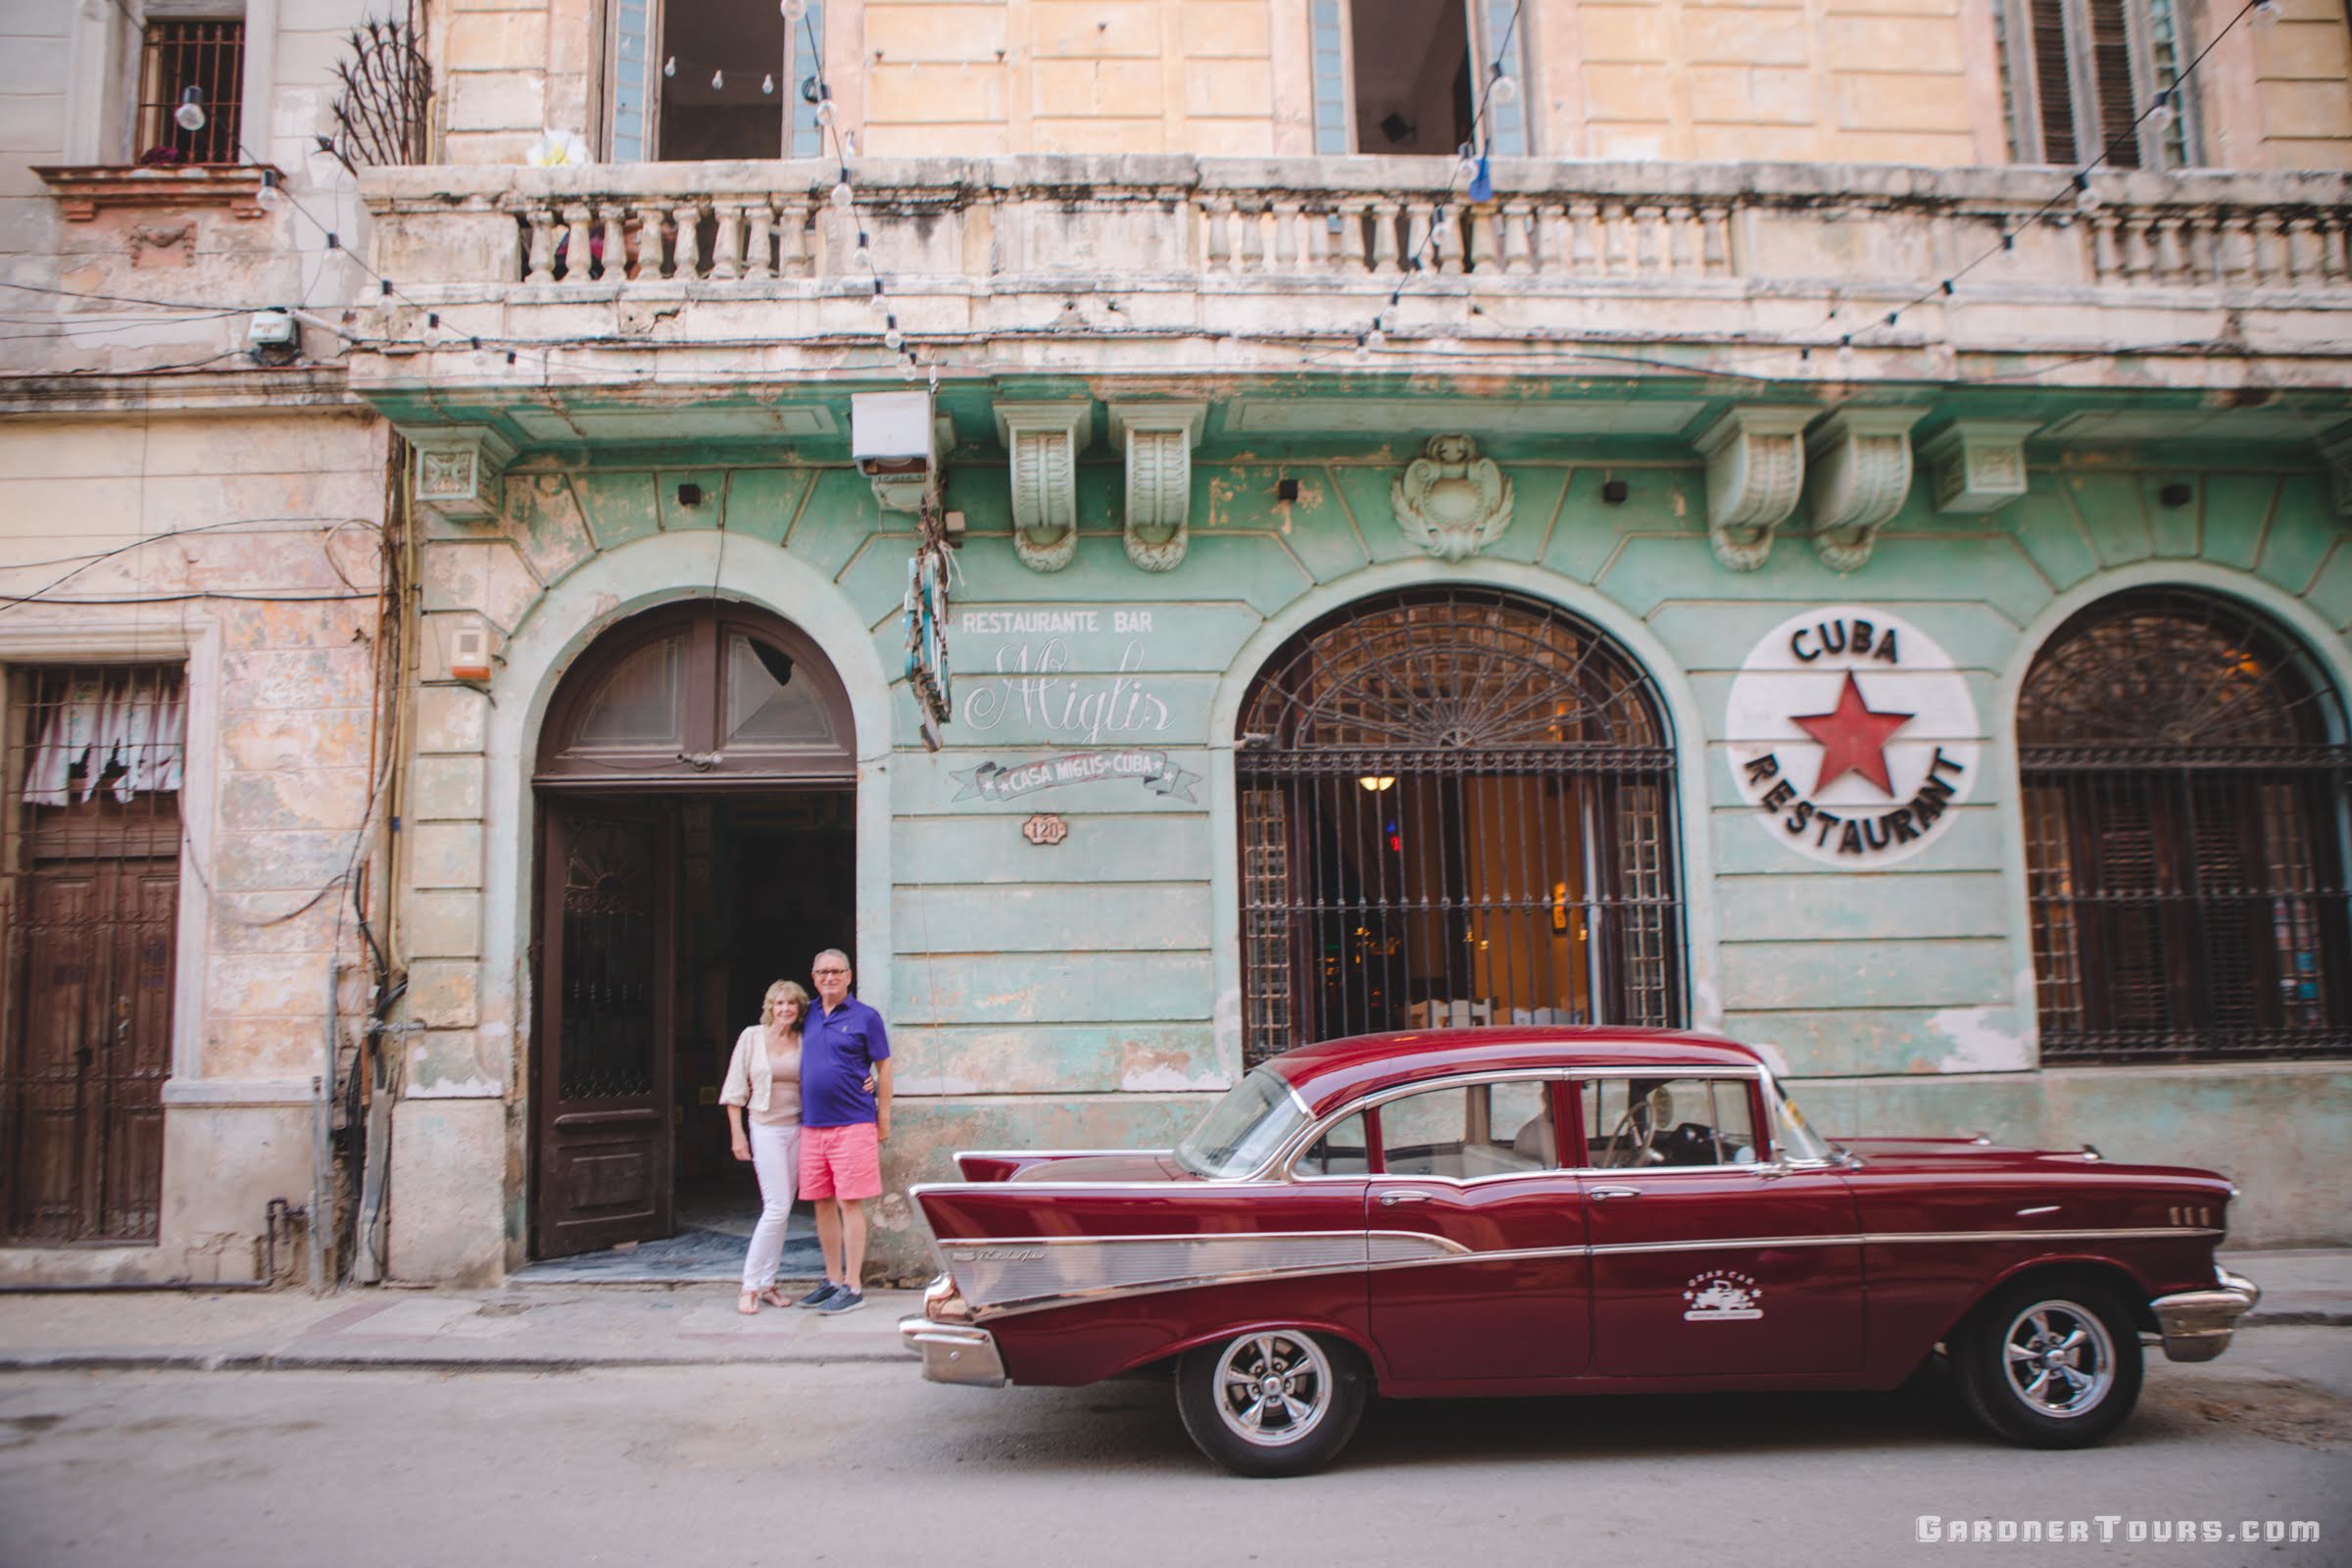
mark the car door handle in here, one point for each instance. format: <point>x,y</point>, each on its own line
<point>1603,1193</point>
<point>1390,1199</point>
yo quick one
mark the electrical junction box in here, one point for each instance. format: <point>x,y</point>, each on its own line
<point>896,445</point>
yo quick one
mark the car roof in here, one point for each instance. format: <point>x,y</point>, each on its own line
<point>1332,1072</point>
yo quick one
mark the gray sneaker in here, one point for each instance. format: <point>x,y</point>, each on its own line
<point>821,1296</point>
<point>843,1300</point>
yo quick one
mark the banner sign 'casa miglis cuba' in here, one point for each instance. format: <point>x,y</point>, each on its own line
<point>1156,770</point>
<point>1853,735</point>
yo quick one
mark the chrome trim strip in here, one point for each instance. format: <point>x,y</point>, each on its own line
<point>1003,1272</point>
<point>2140,1233</point>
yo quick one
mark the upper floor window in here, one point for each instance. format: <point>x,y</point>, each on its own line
<point>2079,76</point>
<point>1418,76</point>
<point>2186,775</point>
<point>716,80</point>
<point>180,55</point>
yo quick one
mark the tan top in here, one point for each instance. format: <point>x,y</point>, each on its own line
<point>765,1078</point>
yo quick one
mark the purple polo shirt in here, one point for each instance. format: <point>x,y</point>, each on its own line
<point>837,1050</point>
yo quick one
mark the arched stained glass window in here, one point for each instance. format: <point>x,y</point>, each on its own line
<point>1457,808</point>
<point>2185,769</point>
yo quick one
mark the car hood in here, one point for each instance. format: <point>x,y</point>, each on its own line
<point>1140,1166</point>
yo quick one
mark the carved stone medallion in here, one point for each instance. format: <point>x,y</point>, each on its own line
<point>1452,501</point>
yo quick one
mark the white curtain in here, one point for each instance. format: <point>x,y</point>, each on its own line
<point>127,731</point>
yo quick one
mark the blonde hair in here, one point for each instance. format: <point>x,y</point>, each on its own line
<point>783,991</point>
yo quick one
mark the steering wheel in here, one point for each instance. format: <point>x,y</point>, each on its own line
<point>1642,1123</point>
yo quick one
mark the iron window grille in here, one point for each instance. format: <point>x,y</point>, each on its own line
<point>1457,808</point>
<point>2186,775</point>
<point>174,56</point>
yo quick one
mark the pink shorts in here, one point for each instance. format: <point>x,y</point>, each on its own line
<point>840,1161</point>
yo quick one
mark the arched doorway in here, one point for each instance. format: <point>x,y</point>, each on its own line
<point>1457,807</point>
<point>2184,765</point>
<point>695,779</point>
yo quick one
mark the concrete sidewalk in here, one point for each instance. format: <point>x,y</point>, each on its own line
<point>561,1327</point>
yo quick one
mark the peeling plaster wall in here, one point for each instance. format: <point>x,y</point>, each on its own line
<point>1085,993</point>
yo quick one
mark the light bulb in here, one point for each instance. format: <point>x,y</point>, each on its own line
<point>268,198</point>
<point>843,196</point>
<point>908,368</point>
<point>767,84</point>
<point>670,66</point>
<point>2160,113</point>
<point>2087,195</point>
<point>794,10</point>
<point>189,116</point>
<point>1375,340</point>
<point>825,111</point>
<point>1503,89</point>
<point>2266,12</point>
<point>894,338</point>
<point>718,80</point>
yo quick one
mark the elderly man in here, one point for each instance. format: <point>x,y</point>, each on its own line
<point>842,1123</point>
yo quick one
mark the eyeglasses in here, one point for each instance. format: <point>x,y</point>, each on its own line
<point>831,971</point>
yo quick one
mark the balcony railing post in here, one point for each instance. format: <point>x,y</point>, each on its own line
<point>617,238</point>
<point>542,219</point>
<point>759,257</point>
<point>726,262</point>
<point>1588,243</point>
<point>1518,219</point>
<point>1216,252</point>
<point>1385,218</point>
<point>686,254</point>
<point>1348,255</point>
<point>1715,223</point>
<point>792,238</point>
<point>578,261</point>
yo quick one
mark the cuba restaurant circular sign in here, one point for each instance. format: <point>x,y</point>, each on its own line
<point>1852,734</point>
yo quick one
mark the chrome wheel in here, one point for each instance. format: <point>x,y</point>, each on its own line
<point>2058,1358</point>
<point>1273,1388</point>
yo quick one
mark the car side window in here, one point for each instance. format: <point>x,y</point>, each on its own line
<point>1339,1151</point>
<point>1470,1130</point>
<point>1641,1123</point>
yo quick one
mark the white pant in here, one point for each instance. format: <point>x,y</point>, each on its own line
<point>777,1157</point>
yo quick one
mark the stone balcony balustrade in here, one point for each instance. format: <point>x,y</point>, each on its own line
<point>1182,264</point>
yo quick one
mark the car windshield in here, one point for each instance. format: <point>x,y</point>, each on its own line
<point>1241,1131</point>
<point>1798,1139</point>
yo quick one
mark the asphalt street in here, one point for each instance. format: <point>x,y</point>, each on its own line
<point>865,1463</point>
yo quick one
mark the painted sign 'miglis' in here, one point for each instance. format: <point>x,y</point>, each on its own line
<point>1853,735</point>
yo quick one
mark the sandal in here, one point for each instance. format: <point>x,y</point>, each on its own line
<point>774,1296</point>
<point>748,1303</point>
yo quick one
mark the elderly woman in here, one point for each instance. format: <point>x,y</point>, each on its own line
<point>764,1080</point>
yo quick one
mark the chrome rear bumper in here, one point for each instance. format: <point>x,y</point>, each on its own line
<point>2198,1325</point>
<point>953,1352</point>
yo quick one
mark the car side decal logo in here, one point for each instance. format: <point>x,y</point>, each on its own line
<point>1722,1296</point>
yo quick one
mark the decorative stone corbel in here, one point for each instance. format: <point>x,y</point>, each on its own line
<point>1861,466</point>
<point>1978,465</point>
<point>2336,447</point>
<point>1159,439</point>
<point>458,469</point>
<point>1755,472</point>
<point>1043,440</point>
<point>1449,501</point>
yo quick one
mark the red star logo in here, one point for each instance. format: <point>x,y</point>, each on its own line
<point>1854,739</point>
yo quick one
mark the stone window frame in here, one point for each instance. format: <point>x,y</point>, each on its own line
<point>1331,73</point>
<point>642,145</point>
<point>103,50</point>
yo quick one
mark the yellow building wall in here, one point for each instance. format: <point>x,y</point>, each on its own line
<point>1911,81</point>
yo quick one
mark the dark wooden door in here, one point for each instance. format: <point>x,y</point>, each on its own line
<point>603,1093</point>
<point>89,1050</point>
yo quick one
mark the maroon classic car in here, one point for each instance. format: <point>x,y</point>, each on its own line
<point>1563,1211</point>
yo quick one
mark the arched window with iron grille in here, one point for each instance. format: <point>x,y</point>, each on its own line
<point>1457,807</point>
<point>2185,769</point>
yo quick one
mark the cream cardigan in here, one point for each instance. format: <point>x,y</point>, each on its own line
<point>769,1085</point>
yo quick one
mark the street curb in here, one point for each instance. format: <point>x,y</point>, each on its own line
<point>2292,1318</point>
<point>277,1361</point>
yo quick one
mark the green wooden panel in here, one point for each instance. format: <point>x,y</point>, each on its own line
<point>2173,531</point>
<point>1163,914</point>
<point>2332,590</point>
<point>1898,906</point>
<point>1841,1042</point>
<point>1077,1059</point>
<point>2045,527</point>
<point>1949,972</point>
<point>1744,844</point>
<point>1052,988</point>
<point>2302,533</point>
<point>619,506</point>
<point>1650,572</point>
<point>924,783</point>
<point>763,502</point>
<point>987,847</point>
<point>2237,512</point>
<point>2109,505</point>
<point>1716,634</point>
<point>679,518</point>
